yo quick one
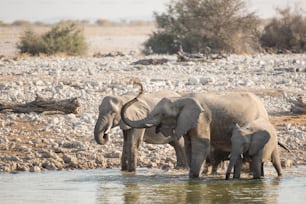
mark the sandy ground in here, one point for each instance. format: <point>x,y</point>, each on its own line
<point>102,39</point>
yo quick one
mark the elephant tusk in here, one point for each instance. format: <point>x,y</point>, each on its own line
<point>229,156</point>
<point>149,124</point>
<point>107,131</point>
<point>241,155</point>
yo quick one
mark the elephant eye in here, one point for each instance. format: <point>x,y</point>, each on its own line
<point>249,129</point>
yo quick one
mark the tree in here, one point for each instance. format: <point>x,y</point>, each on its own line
<point>285,33</point>
<point>222,25</point>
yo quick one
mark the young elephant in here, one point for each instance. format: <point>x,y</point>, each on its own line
<point>257,140</point>
<point>109,117</point>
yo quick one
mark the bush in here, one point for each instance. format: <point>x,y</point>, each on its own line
<point>22,23</point>
<point>62,38</point>
<point>161,42</point>
<point>32,43</point>
<point>287,33</point>
<point>222,25</point>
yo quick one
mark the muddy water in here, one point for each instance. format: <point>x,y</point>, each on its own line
<point>149,186</point>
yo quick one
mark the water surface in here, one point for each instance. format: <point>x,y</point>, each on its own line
<point>149,186</point>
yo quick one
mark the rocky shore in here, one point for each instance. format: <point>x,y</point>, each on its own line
<point>54,141</point>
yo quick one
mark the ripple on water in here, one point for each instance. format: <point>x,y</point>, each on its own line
<point>149,186</point>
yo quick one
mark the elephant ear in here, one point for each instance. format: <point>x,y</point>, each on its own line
<point>190,111</point>
<point>137,111</point>
<point>258,141</point>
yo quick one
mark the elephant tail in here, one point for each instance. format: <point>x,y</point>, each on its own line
<point>284,146</point>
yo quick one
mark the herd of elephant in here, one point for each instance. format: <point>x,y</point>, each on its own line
<point>202,127</point>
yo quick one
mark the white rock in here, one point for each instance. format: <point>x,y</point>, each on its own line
<point>206,80</point>
<point>193,81</point>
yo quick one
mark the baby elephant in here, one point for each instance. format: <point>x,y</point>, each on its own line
<point>258,141</point>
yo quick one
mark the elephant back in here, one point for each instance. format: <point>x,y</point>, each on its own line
<point>227,110</point>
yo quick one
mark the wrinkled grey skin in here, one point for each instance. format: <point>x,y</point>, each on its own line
<point>109,117</point>
<point>257,140</point>
<point>227,109</point>
<point>179,116</point>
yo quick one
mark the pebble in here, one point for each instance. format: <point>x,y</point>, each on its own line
<point>66,141</point>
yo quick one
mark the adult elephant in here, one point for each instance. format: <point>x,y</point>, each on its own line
<point>179,116</point>
<point>109,117</point>
<point>222,112</point>
<point>258,140</point>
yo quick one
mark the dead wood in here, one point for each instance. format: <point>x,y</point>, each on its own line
<point>151,61</point>
<point>198,57</point>
<point>40,105</point>
<point>298,106</point>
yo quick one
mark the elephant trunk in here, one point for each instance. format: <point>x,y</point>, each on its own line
<point>101,136</point>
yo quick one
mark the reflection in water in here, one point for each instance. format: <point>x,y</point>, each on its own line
<point>168,188</point>
<point>148,186</point>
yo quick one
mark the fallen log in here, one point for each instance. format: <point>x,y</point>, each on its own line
<point>198,57</point>
<point>299,106</point>
<point>40,105</point>
<point>151,61</point>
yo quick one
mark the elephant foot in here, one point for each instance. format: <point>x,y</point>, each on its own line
<point>227,176</point>
<point>194,175</point>
<point>256,176</point>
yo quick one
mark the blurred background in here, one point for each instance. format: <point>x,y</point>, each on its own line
<point>50,11</point>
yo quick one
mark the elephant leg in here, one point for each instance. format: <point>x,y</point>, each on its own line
<point>210,163</point>
<point>187,142</point>
<point>257,165</point>
<point>262,169</point>
<point>276,161</point>
<point>124,156</point>
<point>181,159</point>
<point>215,161</point>
<point>199,153</point>
<point>237,168</point>
<point>134,138</point>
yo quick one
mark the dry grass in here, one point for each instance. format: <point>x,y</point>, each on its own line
<point>100,38</point>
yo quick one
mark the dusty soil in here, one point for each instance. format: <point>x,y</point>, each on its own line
<point>104,39</point>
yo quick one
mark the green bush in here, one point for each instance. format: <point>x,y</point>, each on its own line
<point>287,33</point>
<point>161,42</point>
<point>222,25</point>
<point>63,38</point>
<point>32,43</point>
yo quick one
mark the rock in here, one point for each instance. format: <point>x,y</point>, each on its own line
<point>206,80</point>
<point>193,81</point>
<point>113,154</point>
<point>287,163</point>
<point>35,169</point>
<point>73,145</point>
<point>72,161</point>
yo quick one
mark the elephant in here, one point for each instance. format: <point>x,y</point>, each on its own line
<point>109,117</point>
<point>206,120</point>
<point>258,140</point>
<point>177,117</point>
